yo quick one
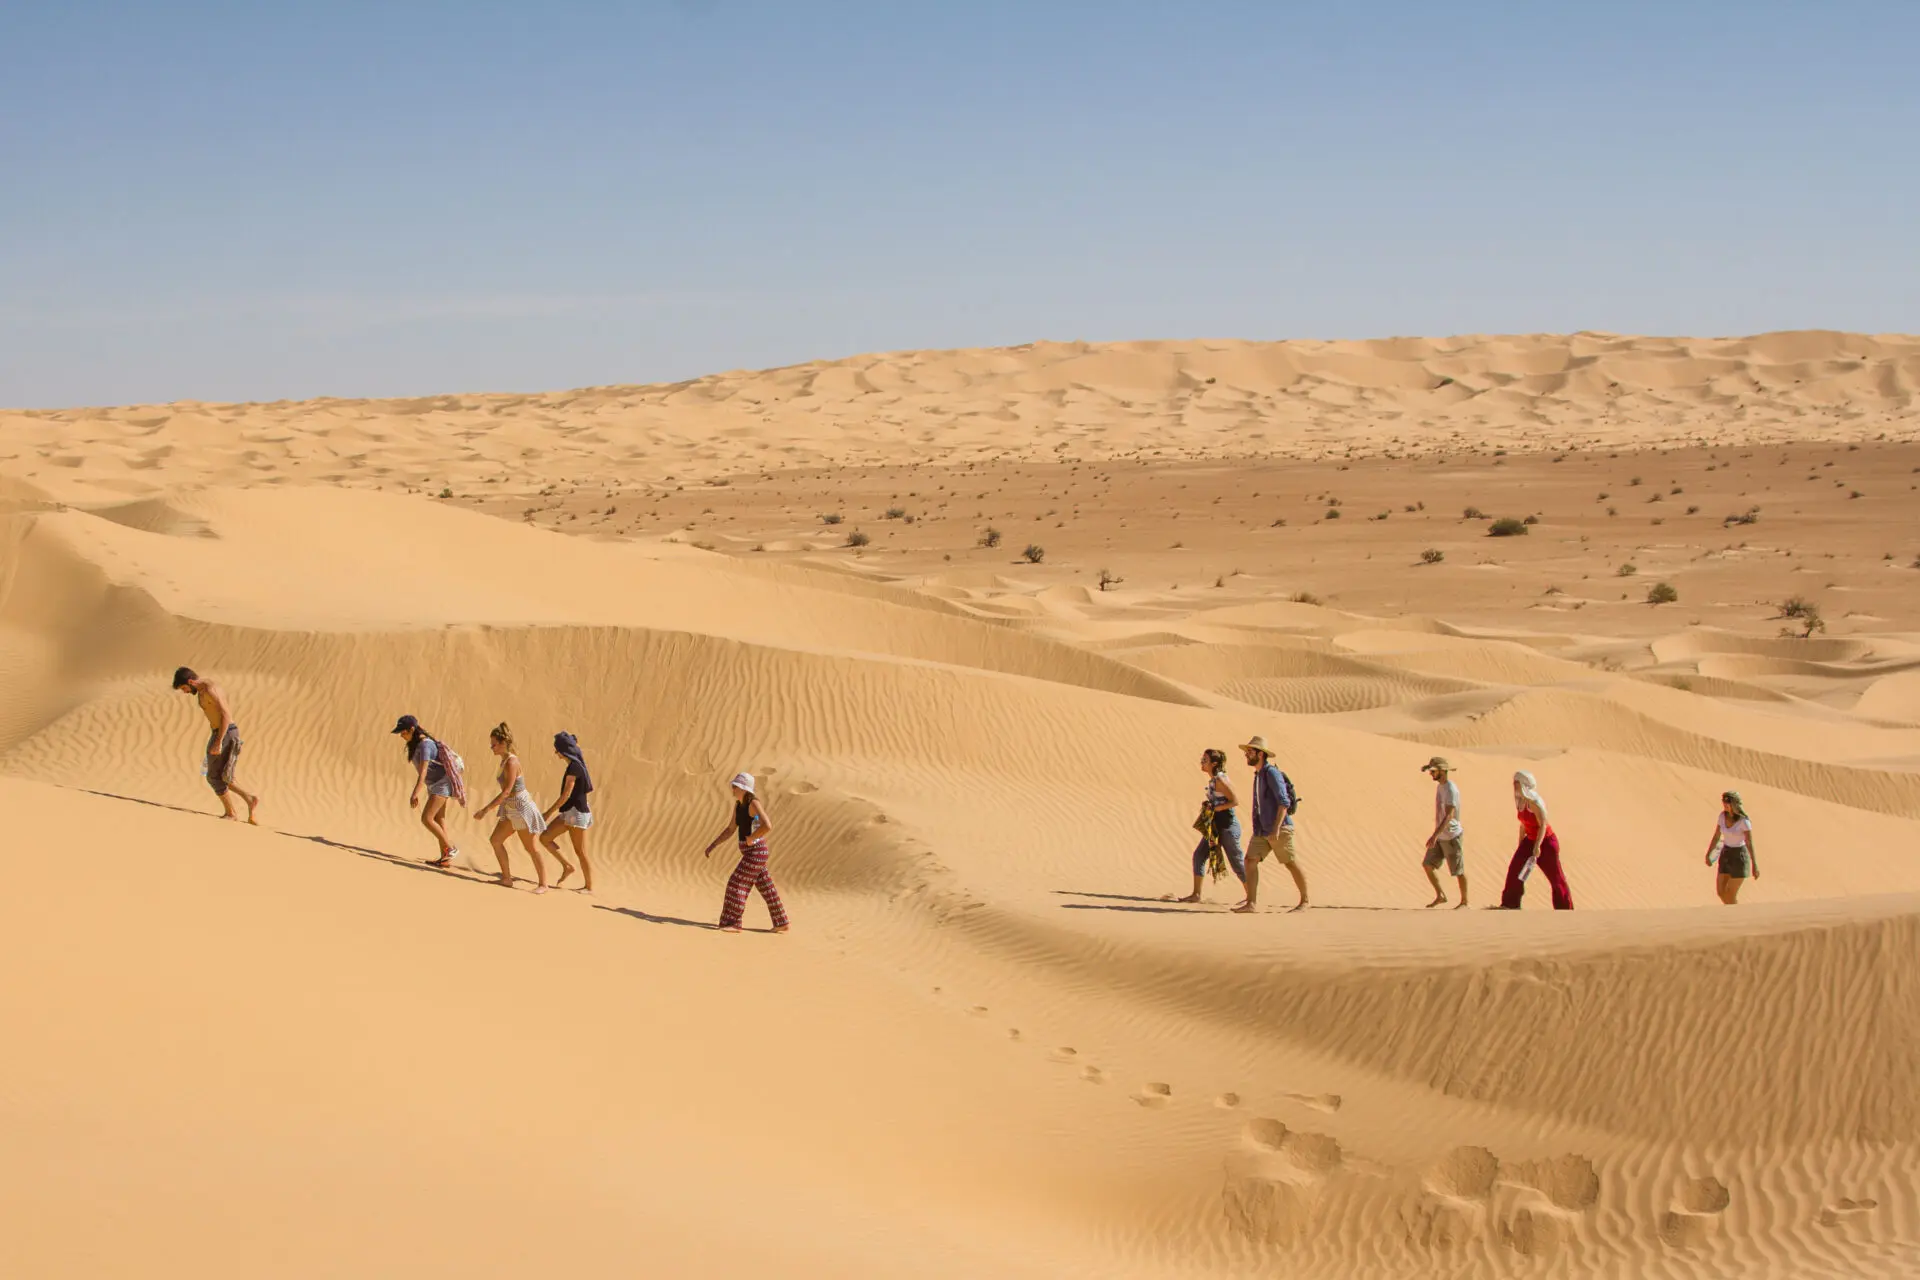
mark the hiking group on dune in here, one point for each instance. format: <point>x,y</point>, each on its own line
<point>440,782</point>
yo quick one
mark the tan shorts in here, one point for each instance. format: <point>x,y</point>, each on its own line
<point>1279,844</point>
<point>1451,852</point>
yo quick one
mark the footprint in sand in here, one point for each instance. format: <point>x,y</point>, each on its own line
<point>1695,1216</point>
<point>978,1011</point>
<point>1274,1183</point>
<point>1227,1101</point>
<point>1327,1102</point>
<point>1013,1033</point>
<point>1454,1209</point>
<point>1846,1210</point>
<point>1154,1094</point>
<point>1093,1075</point>
<point>1066,1053</point>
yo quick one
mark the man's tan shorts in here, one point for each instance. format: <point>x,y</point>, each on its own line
<point>1279,844</point>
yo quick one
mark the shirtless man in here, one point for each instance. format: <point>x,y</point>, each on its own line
<point>223,744</point>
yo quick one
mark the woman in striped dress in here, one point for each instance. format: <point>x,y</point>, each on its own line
<point>750,826</point>
<point>518,813</point>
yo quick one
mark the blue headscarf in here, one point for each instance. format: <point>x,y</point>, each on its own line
<point>569,746</point>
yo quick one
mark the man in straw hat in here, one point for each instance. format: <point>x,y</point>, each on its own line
<point>1447,843</point>
<point>1273,804</point>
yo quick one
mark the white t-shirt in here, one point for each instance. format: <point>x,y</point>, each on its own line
<point>1734,835</point>
<point>1446,794</point>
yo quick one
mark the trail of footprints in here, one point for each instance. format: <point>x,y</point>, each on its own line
<point>1277,1181</point>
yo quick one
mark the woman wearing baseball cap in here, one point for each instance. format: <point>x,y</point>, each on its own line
<point>435,771</point>
<point>749,825</point>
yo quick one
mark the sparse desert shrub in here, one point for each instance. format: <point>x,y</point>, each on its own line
<point>1796,607</point>
<point>1745,517</point>
<point>1693,511</point>
<point>832,517</point>
<point>1531,520</point>
<point>1108,580</point>
<point>1613,511</point>
<point>894,513</point>
<point>1473,513</point>
<point>1034,553</point>
<point>1304,597</point>
<point>1333,513</point>
<point>1507,527</point>
<point>446,493</point>
<point>1662,593</point>
<point>1635,482</point>
<point>1628,569</point>
<point>1279,522</point>
<point>991,538</point>
<point>858,539</point>
<point>1432,555</point>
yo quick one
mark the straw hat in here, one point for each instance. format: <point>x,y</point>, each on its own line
<point>744,781</point>
<point>1438,762</point>
<point>1258,744</point>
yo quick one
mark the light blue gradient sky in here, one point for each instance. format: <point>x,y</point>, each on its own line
<point>234,200</point>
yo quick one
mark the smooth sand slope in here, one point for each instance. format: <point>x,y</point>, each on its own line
<point>989,1046</point>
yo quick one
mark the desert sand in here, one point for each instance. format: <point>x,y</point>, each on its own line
<point>990,1046</point>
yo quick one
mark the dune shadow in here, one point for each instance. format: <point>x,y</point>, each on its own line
<point>152,804</point>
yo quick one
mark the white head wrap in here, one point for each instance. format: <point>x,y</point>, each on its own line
<point>1529,789</point>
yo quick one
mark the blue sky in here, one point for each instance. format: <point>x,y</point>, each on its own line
<point>246,201</point>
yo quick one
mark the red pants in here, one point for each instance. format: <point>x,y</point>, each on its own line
<point>751,874</point>
<point>1548,865</point>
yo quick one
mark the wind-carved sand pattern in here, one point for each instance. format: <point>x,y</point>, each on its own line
<point>982,770</point>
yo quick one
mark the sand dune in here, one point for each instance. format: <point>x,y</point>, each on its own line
<point>991,1045</point>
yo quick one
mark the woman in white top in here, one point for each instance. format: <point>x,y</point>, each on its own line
<point>518,813</point>
<point>1733,844</point>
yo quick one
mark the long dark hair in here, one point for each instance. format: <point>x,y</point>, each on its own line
<point>1216,759</point>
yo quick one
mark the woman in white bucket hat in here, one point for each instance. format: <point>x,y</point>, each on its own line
<point>750,826</point>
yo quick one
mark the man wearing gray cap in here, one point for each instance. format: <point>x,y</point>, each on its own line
<point>1447,843</point>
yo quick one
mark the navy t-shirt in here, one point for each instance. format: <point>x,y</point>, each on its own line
<point>582,785</point>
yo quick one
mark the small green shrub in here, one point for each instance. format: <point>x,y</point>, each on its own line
<point>1662,593</point>
<point>1507,527</point>
<point>858,539</point>
<point>1034,553</point>
<point>1432,555</point>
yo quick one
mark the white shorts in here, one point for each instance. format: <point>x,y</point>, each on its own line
<point>572,818</point>
<point>519,811</point>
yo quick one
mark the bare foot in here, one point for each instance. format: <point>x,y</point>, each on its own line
<point>1192,897</point>
<point>253,811</point>
<point>1245,908</point>
<point>781,928</point>
<point>566,869</point>
<point>505,882</point>
<point>1462,906</point>
<point>729,928</point>
<point>541,889</point>
<point>1299,906</point>
<point>229,817</point>
<point>1440,901</point>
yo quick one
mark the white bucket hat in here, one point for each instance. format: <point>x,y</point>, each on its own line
<point>744,781</point>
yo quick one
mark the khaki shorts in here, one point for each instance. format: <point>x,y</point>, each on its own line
<point>1452,852</point>
<point>1279,844</point>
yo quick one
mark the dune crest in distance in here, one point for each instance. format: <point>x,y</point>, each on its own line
<point>992,1045</point>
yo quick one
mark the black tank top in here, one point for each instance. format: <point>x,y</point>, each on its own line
<point>743,819</point>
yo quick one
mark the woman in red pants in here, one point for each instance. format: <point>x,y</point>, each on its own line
<point>1538,847</point>
<point>751,827</point>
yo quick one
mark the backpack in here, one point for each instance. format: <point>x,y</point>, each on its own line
<point>1291,790</point>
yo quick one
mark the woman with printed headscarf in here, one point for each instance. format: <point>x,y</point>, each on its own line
<point>1539,847</point>
<point>572,812</point>
<point>750,826</point>
<point>1732,845</point>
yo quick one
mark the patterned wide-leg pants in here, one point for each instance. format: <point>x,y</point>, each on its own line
<point>752,874</point>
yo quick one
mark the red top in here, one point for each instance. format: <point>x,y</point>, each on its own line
<point>1531,825</point>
